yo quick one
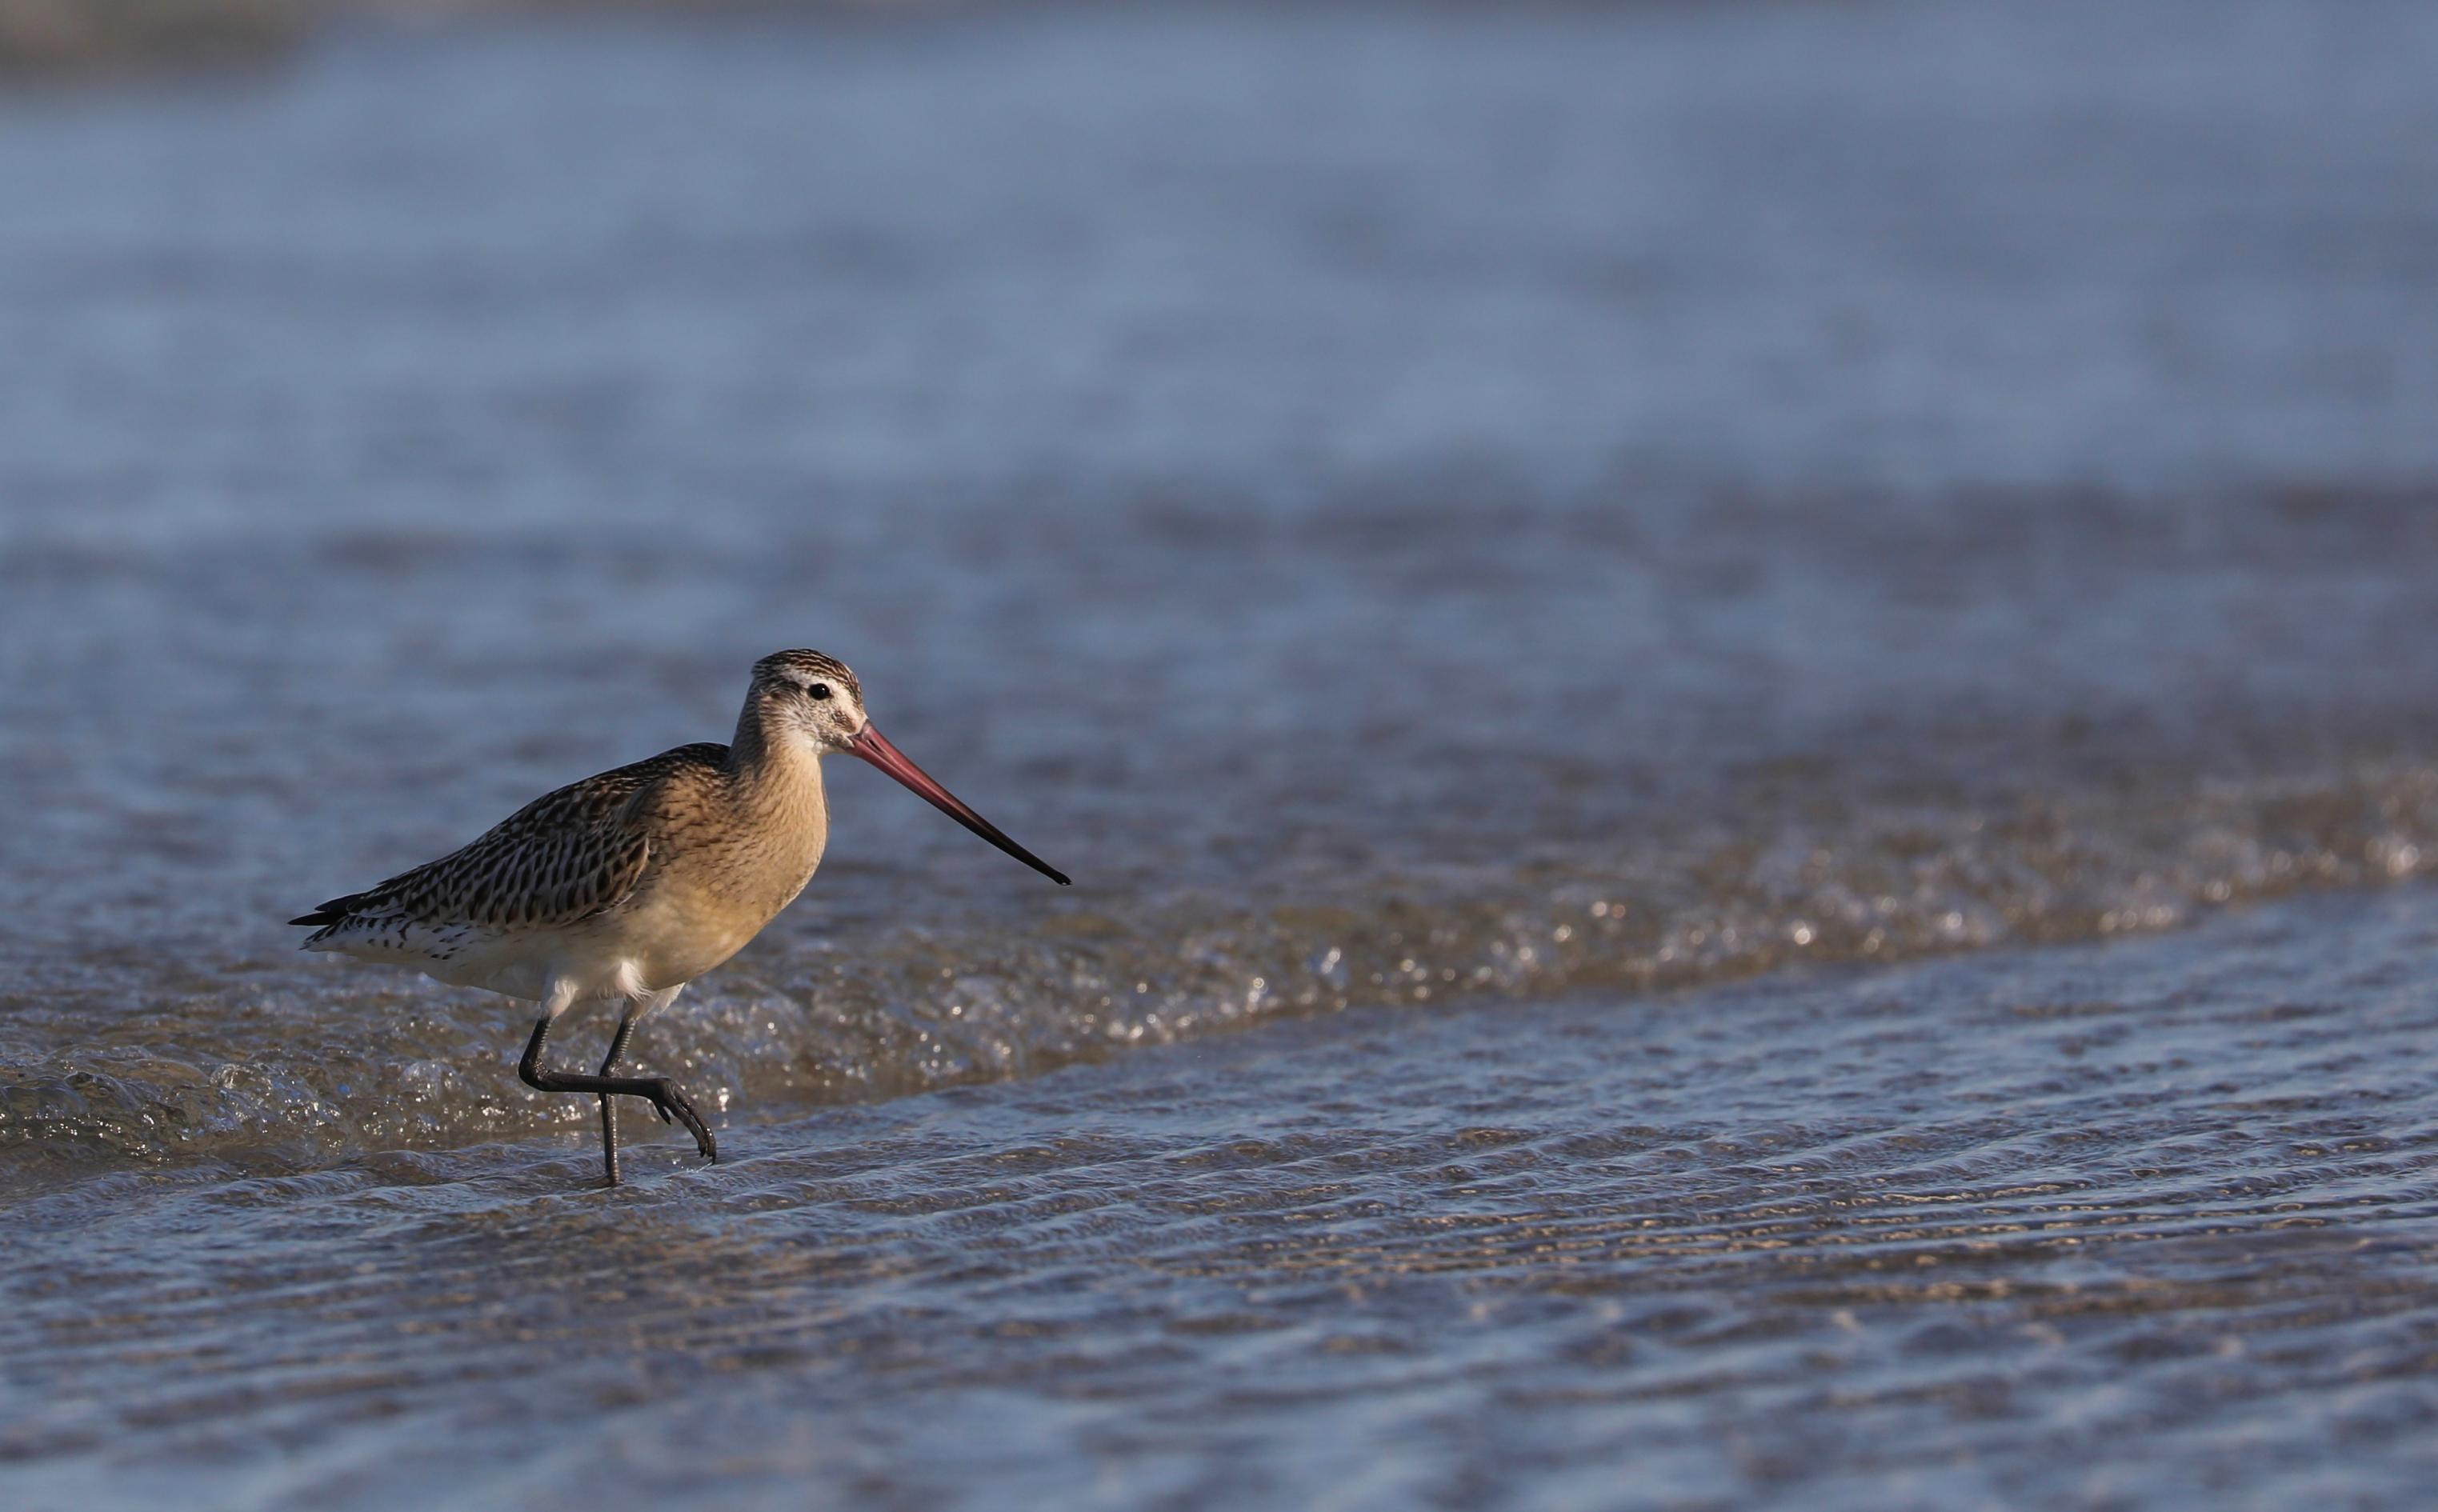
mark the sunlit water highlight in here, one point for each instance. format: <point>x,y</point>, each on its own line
<point>2145,1223</point>
<point>1516,559</point>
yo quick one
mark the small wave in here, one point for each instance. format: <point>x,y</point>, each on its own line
<point>295,1064</point>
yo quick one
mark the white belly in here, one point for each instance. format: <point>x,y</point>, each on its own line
<point>669,932</point>
<point>630,953</point>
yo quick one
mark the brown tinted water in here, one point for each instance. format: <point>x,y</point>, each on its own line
<point>1603,603</point>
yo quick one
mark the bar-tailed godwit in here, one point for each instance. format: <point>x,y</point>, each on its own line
<point>629,884</point>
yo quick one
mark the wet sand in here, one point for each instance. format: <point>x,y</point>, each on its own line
<point>50,38</point>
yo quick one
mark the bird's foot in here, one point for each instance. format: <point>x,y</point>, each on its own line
<point>671,1104</point>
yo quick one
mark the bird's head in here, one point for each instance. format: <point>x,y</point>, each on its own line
<point>811,696</point>
<point>815,698</point>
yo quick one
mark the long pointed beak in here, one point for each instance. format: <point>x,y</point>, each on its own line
<point>874,747</point>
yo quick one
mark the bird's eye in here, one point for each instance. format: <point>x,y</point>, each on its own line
<point>818,690</point>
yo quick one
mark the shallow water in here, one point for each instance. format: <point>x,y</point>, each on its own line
<point>2091,1226</point>
<point>1449,523</point>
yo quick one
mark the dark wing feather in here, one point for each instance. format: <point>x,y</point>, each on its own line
<point>562,859</point>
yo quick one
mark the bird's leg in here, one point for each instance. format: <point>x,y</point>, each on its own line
<point>610,1107</point>
<point>657,1090</point>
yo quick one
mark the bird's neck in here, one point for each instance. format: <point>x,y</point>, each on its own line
<point>773,772</point>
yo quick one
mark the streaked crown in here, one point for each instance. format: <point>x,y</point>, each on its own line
<point>800,671</point>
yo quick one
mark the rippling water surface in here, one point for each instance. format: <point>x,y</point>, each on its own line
<point>1602,602</point>
<point>2152,1223</point>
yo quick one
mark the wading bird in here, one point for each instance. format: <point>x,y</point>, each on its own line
<point>629,884</point>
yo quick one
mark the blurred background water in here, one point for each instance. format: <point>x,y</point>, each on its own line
<point>1449,522</point>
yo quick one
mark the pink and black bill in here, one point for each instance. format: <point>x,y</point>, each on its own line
<point>874,747</point>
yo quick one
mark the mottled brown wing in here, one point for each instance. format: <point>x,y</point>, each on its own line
<point>562,859</point>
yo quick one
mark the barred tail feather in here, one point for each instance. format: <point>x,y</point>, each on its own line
<point>332,912</point>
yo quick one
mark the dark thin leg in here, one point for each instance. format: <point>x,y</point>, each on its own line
<point>657,1090</point>
<point>608,1106</point>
